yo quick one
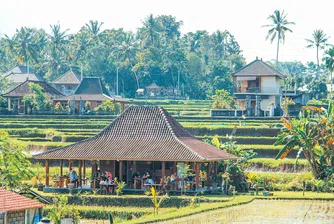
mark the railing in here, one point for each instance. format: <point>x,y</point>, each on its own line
<point>272,90</point>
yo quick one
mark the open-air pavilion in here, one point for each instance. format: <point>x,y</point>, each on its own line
<point>142,138</point>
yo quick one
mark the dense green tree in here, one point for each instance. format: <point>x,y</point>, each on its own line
<point>278,28</point>
<point>14,164</point>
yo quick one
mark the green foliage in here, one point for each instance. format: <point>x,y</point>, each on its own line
<point>14,164</point>
<point>313,137</point>
<point>120,186</point>
<point>60,209</point>
<point>38,99</point>
<point>108,107</point>
<point>155,201</point>
<point>223,100</point>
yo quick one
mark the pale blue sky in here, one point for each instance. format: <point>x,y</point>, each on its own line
<point>243,18</point>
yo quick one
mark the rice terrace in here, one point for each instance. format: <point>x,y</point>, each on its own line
<point>154,119</point>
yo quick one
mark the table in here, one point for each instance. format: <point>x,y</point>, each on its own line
<point>59,182</point>
<point>107,188</point>
<point>138,179</point>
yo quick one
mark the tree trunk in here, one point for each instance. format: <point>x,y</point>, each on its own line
<point>278,39</point>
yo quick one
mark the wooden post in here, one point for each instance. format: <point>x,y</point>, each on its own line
<point>84,169</point>
<point>208,176</point>
<point>163,167</point>
<point>197,175</point>
<point>61,168</point>
<point>80,173</point>
<point>70,164</point>
<point>46,173</point>
<point>120,170</point>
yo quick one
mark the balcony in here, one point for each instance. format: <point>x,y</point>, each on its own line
<point>247,89</point>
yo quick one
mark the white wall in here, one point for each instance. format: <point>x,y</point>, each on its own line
<point>270,84</point>
<point>265,103</point>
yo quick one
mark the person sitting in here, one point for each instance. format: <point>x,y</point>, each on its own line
<point>148,178</point>
<point>109,175</point>
<point>96,179</point>
<point>73,177</point>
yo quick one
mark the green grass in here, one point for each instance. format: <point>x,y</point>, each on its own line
<point>272,163</point>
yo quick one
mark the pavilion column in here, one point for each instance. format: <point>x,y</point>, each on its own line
<point>120,170</point>
<point>84,168</point>
<point>9,103</point>
<point>216,168</point>
<point>197,166</point>
<point>208,176</point>
<point>163,174</point>
<point>47,173</point>
<point>61,168</point>
<point>70,164</point>
<point>80,173</point>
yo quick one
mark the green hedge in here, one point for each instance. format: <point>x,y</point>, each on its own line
<point>201,131</point>
<point>125,201</point>
<point>103,212</point>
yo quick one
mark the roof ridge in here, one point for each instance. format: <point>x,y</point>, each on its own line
<point>163,112</point>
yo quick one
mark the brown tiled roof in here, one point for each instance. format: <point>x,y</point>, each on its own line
<point>10,201</point>
<point>68,78</point>
<point>153,86</point>
<point>21,77</point>
<point>91,89</point>
<point>23,89</point>
<point>258,68</point>
<point>141,133</point>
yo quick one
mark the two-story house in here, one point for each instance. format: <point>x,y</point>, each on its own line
<point>257,89</point>
<point>67,83</point>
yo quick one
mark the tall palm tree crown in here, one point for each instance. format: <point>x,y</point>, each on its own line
<point>319,41</point>
<point>278,28</point>
<point>329,62</point>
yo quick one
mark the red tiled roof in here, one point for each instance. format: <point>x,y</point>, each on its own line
<point>10,201</point>
<point>258,68</point>
<point>141,133</point>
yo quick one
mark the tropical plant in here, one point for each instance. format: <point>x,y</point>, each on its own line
<point>14,163</point>
<point>156,202</point>
<point>311,133</point>
<point>120,186</point>
<point>60,209</point>
<point>38,100</point>
<point>278,28</point>
<point>183,171</point>
<point>319,41</point>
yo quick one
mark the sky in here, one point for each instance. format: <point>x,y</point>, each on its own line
<point>242,18</point>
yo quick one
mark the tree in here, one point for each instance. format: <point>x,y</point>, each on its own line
<point>14,163</point>
<point>329,63</point>
<point>38,99</point>
<point>278,28</point>
<point>223,100</point>
<point>94,30</point>
<point>312,135</point>
<point>319,41</point>
<point>126,51</point>
<point>28,44</point>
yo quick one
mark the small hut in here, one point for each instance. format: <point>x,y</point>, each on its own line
<point>15,208</point>
<point>67,83</point>
<point>153,90</point>
<point>142,138</point>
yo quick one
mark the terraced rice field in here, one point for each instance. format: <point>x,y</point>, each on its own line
<point>281,211</point>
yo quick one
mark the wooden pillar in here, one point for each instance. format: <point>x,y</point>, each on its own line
<point>80,173</point>
<point>208,176</point>
<point>174,168</point>
<point>216,168</point>
<point>61,168</point>
<point>197,165</point>
<point>163,168</point>
<point>47,173</point>
<point>120,170</point>
<point>84,168</point>
<point>70,164</point>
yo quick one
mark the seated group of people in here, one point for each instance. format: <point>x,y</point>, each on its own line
<point>102,178</point>
<point>147,177</point>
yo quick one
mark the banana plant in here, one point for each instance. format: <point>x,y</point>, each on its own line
<point>156,202</point>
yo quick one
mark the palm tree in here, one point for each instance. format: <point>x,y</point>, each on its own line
<point>57,37</point>
<point>94,29</point>
<point>150,31</point>
<point>329,62</point>
<point>319,41</point>
<point>126,51</point>
<point>28,45</point>
<point>278,28</point>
